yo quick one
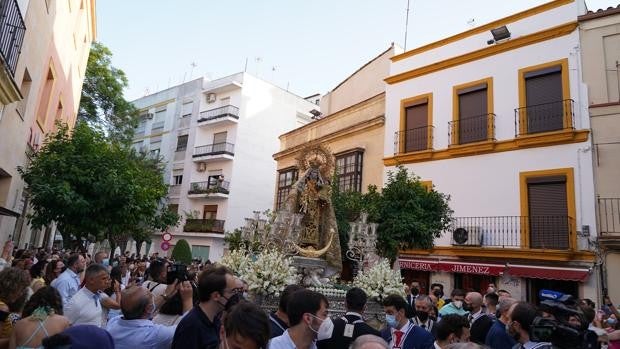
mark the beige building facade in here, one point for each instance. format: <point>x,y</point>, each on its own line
<point>351,126</point>
<point>44,47</point>
<point>600,50</point>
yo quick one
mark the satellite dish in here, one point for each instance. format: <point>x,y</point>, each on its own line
<point>460,235</point>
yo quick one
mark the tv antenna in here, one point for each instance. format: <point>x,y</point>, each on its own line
<point>193,65</point>
<point>406,25</point>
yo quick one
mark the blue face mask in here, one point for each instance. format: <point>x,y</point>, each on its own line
<point>105,262</point>
<point>391,320</point>
<point>611,321</point>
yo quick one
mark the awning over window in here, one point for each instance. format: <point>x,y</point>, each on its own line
<point>7,212</point>
<point>472,268</point>
<point>418,264</point>
<point>548,273</point>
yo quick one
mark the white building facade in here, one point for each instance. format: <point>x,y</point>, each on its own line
<point>217,138</point>
<point>503,128</point>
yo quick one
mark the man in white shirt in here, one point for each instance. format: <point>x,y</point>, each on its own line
<point>84,308</point>
<point>158,273</point>
<point>68,283</point>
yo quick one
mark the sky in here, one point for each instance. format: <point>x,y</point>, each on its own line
<point>307,46</point>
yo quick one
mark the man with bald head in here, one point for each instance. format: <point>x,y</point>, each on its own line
<point>369,341</point>
<point>135,329</point>
<point>479,322</point>
<point>497,336</point>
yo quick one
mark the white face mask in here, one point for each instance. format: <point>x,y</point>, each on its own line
<point>325,330</point>
<point>458,304</point>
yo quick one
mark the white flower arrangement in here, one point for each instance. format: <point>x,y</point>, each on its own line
<point>270,273</point>
<point>238,261</point>
<point>380,281</point>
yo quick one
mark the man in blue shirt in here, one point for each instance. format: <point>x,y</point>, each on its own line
<point>135,329</point>
<point>497,336</point>
<point>68,283</point>
<point>200,327</point>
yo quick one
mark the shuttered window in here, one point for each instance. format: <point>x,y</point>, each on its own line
<point>543,95</point>
<point>473,114</point>
<point>286,179</point>
<point>548,212</point>
<point>416,126</point>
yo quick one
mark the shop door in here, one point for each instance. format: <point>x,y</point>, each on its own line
<point>422,277</point>
<point>473,282</point>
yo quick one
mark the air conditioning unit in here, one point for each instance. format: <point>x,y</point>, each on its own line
<point>150,115</point>
<point>202,167</point>
<point>210,97</point>
<point>467,236</point>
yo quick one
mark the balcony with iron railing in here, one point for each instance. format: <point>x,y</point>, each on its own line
<point>214,152</point>
<point>12,32</point>
<point>204,226</point>
<point>533,232</point>
<point>472,129</point>
<point>226,114</point>
<point>413,140</point>
<point>609,222</point>
<point>546,117</point>
<point>212,188</point>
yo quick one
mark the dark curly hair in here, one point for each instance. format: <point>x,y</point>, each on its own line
<point>13,283</point>
<point>50,273</point>
<point>45,297</point>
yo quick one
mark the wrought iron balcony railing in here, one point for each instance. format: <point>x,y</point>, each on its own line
<point>214,149</point>
<point>209,187</point>
<point>204,225</point>
<point>546,117</point>
<point>542,232</point>
<point>472,129</point>
<point>221,112</point>
<point>12,32</point>
<point>412,140</point>
<point>609,217</point>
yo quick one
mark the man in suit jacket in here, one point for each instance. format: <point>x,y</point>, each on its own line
<point>351,325</point>
<point>411,293</point>
<point>479,322</point>
<point>400,331</point>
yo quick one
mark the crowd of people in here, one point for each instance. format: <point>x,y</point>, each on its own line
<point>64,299</point>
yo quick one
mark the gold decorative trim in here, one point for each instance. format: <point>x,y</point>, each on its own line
<point>522,142</point>
<point>483,28</point>
<point>509,45</point>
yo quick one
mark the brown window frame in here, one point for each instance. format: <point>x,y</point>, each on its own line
<point>350,175</point>
<point>285,185</point>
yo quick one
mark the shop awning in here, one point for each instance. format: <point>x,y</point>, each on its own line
<point>7,212</point>
<point>548,273</point>
<point>418,264</point>
<point>472,268</point>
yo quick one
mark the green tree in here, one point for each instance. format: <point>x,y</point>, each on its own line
<point>410,216</point>
<point>182,252</point>
<point>91,186</point>
<point>102,104</point>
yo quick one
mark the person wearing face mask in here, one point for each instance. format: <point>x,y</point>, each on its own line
<point>350,326</point>
<point>497,336</point>
<point>135,329</point>
<point>101,257</point>
<point>279,318</point>
<point>520,318</point>
<point>479,322</point>
<point>244,326</point>
<point>451,329</point>
<point>308,320</point>
<point>423,309</point>
<point>437,291</point>
<point>400,331</point>
<point>200,327</point>
<point>456,305</point>
<point>413,292</point>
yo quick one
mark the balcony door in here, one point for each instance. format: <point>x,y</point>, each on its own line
<point>416,126</point>
<point>209,212</point>
<point>219,142</point>
<point>549,222</point>
<point>543,96</point>
<point>473,115</point>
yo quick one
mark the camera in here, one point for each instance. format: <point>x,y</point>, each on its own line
<point>557,328</point>
<point>176,271</point>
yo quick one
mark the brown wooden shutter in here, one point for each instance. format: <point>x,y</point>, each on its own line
<point>548,212</point>
<point>473,114</point>
<point>543,93</point>
<point>416,127</point>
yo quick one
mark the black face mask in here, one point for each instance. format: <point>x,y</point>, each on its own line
<point>438,293</point>
<point>422,316</point>
<point>415,291</point>
<point>467,306</point>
